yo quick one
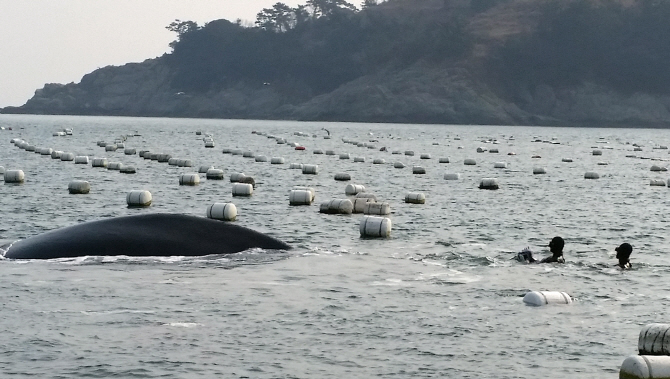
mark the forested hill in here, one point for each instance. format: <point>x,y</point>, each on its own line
<point>550,62</point>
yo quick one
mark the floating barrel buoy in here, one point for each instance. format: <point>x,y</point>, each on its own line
<point>295,166</point>
<point>539,170</point>
<point>138,198</point>
<point>469,162</point>
<point>345,156</point>
<point>373,208</point>
<point>46,151</point>
<point>378,161</point>
<point>657,182</point>
<point>81,159</point>
<point>173,161</point>
<point>396,152</point>
<point>415,198</point>
<point>317,151</point>
<point>14,176</point>
<point>209,144</point>
<point>277,160</point>
<point>189,179</point>
<point>489,184</point>
<point>311,169</point>
<point>30,148</point>
<point>261,158</point>
<point>353,189</point>
<point>342,176</point>
<point>79,187</point>
<point>163,158</point>
<point>372,226</point>
<point>184,163</point>
<point>360,202</point>
<point>115,166</point>
<point>127,169</point>
<point>56,154</point>
<point>337,206</point>
<point>597,152</point>
<point>443,160</point>
<point>330,152</point>
<point>111,147</point>
<point>637,149</point>
<point>101,143</point>
<point>567,160</point>
<point>424,156</point>
<point>67,157</point>
<point>300,197</point>
<point>310,189</point>
<point>203,169</point>
<point>2,170</point>
<point>154,156</point>
<point>500,165</point>
<point>398,165</point>
<point>242,189</point>
<point>493,151</point>
<point>227,151</point>
<point>418,170</point>
<point>359,159</point>
<point>645,366</point>
<point>536,157</point>
<point>143,153</point>
<point>120,145</point>
<point>129,151</point>
<point>214,174</point>
<point>198,132</point>
<point>591,175</point>
<point>409,153</point>
<point>222,211</point>
<point>237,152</point>
<point>235,177</point>
<point>148,156</point>
<point>248,154</point>
<point>602,163</point>
<point>654,339</point>
<point>546,297</point>
<point>656,168</point>
<point>248,180</point>
<point>98,162</point>
<point>481,149</point>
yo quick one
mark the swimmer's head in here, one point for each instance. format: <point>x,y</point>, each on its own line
<point>624,251</point>
<point>556,244</point>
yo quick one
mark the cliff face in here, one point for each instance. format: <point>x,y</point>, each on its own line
<point>479,81</point>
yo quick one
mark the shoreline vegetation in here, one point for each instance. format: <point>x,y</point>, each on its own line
<point>501,62</point>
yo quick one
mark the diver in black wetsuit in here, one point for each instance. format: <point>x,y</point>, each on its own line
<point>623,253</point>
<point>556,248</point>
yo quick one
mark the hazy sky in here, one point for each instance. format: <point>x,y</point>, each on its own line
<point>59,41</point>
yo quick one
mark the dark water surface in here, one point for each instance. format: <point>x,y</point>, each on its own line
<point>440,298</point>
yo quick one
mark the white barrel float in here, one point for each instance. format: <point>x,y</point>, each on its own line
<point>173,161</point>
<point>222,211</point>
<point>418,170</point>
<point>227,150</point>
<point>111,147</point>
<point>56,154</point>
<point>591,175</point>
<point>209,144</point>
<point>597,152</point>
<point>2,170</point>
<point>342,176</point>
<point>184,163</point>
<point>203,169</point>
<point>152,156</point>
<point>143,153</point>
<point>366,195</point>
<point>120,145</point>
<point>443,160</point>
<point>415,198</point>
<point>500,165</point>
<point>398,165</point>
<point>295,166</point>
<point>277,160</point>
<point>129,151</point>
<point>546,297</point>
<point>657,183</point>
<point>127,169</point>
<point>30,148</point>
<point>637,149</point>
<point>311,169</point>
<point>656,168</point>
<point>248,154</point>
<point>310,189</point>
<point>359,159</point>
<point>317,151</point>
<point>345,156</point>
<point>337,206</point>
<point>489,184</point>
<point>46,151</point>
<point>214,174</point>
<point>396,152</point>
<point>378,161</point>
<point>81,159</point>
<point>372,226</point>
<point>115,166</point>
<point>493,151</point>
<point>261,158</point>
<point>602,163</point>
<point>567,160</point>
<point>14,176</point>
<point>138,198</point>
<point>99,162</point>
<point>481,149</point>
<point>235,177</point>
<point>409,153</point>
<point>645,366</point>
<point>237,152</point>
<point>360,202</point>
<point>101,143</point>
<point>163,158</point>
<point>380,209</point>
<point>654,339</point>
<point>353,189</point>
<point>189,179</point>
<point>469,162</point>
<point>79,187</point>
<point>452,176</point>
<point>242,189</point>
<point>425,156</point>
<point>300,197</point>
<point>67,157</point>
<point>330,152</point>
<point>539,170</point>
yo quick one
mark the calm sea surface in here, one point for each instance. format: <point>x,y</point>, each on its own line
<point>440,298</point>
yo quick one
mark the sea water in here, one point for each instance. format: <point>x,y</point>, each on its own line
<point>440,298</point>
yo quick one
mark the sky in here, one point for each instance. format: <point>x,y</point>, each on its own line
<point>59,41</point>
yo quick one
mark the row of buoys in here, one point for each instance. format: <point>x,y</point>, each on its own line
<point>653,360</point>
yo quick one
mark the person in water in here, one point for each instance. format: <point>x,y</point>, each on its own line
<point>556,248</point>
<point>623,253</point>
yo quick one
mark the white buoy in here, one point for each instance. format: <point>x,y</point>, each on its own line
<point>539,170</point>
<point>227,151</point>
<point>310,169</point>
<point>481,149</point>
<point>418,170</point>
<point>261,158</point>
<point>237,152</point>
<point>373,208</point>
<point>248,154</point>
<point>415,198</point>
<point>310,189</point>
<point>654,339</point>
<point>173,161</point>
<point>353,189</point>
<point>597,152</point>
<point>242,189</point>
<point>591,175</point>
<point>295,166</point>
<point>493,151</point>
<point>46,151</point>
<point>222,211</point>
<point>67,157</point>
<point>111,147</point>
<point>359,159</point>
<point>317,151</point>
<point>330,152</point>
<point>409,153</point>
<point>127,169</point>
<point>489,184</point>
<point>398,165</point>
<point>300,197</point>
<point>360,202</point>
<point>214,174</point>
<point>443,160</point>
<point>101,143</point>
<point>345,156</point>
<point>163,158</point>
<point>79,187</point>
<point>277,160</point>
<point>129,151</point>
<point>425,156</point>
<point>99,162</point>
<point>567,160</point>
<point>546,297</point>
<point>637,149</point>
<point>14,176</point>
<point>235,177</point>
<point>117,166</point>
<point>602,163</point>
<point>209,144</point>
<point>452,176</point>
<point>500,165</point>
<point>657,183</point>
<point>396,152</point>
<point>30,148</point>
<point>138,198</point>
<point>81,159</point>
<point>378,161</point>
<point>337,206</point>
<point>56,154</point>
<point>656,168</point>
<point>342,176</point>
<point>189,179</point>
<point>2,170</point>
<point>184,163</point>
<point>121,145</point>
<point>203,169</point>
<point>372,226</point>
<point>645,367</point>
<point>469,162</point>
